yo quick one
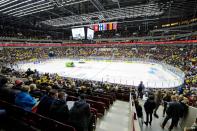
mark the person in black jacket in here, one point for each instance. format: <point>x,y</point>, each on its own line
<point>173,112</point>
<point>183,102</point>
<point>46,102</point>
<point>149,106</point>
<point>140,90</point>
<point>184,107</point>
<point>139,110</point>
<point>59,109</point>
<point>29,72</point>
<point>3,81</point>
<point>166,100</point>
<point>158,100</point>
<point>79,116</point>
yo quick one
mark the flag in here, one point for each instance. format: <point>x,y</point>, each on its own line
<point>114,26</point>
<point>96,27</point>
<point>104,26</point>
<point>100,27</point>
<point>110,26</point>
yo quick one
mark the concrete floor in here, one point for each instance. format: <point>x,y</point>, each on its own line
<point>116,118</point>
<point>157,122</point>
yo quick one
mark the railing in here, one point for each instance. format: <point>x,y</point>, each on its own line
<point>133,124</point>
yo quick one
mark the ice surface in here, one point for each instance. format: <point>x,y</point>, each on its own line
<point>153,75</point>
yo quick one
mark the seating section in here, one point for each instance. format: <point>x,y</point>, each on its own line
<point>33,120</point>
<point>99,95</point>
<point>99,103</point>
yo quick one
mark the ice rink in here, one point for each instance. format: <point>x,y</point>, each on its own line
<point>129,73</point>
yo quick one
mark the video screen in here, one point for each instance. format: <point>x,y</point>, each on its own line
<point>90,34</point>
<point>78,33</point>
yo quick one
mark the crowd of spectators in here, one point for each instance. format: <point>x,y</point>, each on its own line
<point>47,92</point>
<point>181,57</point>
<point>176,106</point>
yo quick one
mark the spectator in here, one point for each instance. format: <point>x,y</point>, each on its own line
<point>173,112</point>
<point>35,92</point>
<point>183,102</point>
<point>80,114</point>
<point>59,109</point>
<point>180,90</point>
<point>46,102</point>
<point>3,117</point>
<point>158,100</point>
<point>149,106</point>
<point>24,99</point>
<point>30,81</point>
<point>18,85</point>
<point>166,100</point>
<point>29,72</point>
<point>139,110</point>
<point>140,89</point>
<point>3,81</point>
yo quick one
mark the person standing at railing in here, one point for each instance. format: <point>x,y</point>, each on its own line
<point>141,88</point>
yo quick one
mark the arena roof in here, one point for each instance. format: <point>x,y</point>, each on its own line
<point>58,13</point>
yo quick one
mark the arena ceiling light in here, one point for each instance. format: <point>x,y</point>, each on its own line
<point>12,1</point>
<point>3,1</point>
<point>22,8</point>
<point>120,13</point>
<point>20,14</point>
<point>15,5</point>
<point>34,12</point>
<point>30,9</point>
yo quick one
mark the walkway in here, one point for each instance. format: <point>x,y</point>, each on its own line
<point>116,118</point>
<point>157,122</point>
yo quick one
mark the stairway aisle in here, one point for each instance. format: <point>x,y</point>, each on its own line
<point>116,118</point>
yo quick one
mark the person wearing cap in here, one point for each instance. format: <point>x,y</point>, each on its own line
<point>24,99</point>
<point>18,84</point>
